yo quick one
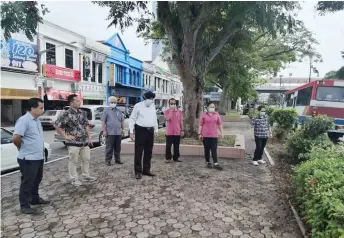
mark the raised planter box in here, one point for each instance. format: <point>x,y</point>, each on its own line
<point>236,152</point>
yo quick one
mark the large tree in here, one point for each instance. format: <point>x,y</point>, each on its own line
<point>197,31</point>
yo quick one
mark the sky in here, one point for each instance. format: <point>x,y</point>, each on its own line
<point>89,20</point>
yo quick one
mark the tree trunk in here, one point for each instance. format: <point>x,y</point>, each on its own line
<point>193,101</point>
<point>223,105</point>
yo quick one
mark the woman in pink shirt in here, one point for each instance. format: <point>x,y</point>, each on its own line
<point>209,122</point>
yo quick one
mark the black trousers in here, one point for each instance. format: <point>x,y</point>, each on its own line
<point>210,144</point>
<point>32,174</point>
<point>144,140</point>
<point>175,141</point>
<point>260,145</point>
<point>113,147</point>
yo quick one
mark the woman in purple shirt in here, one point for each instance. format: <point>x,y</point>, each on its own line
<point>209,122</point>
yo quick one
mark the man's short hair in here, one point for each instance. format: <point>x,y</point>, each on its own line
<point>149,95</point>
<point>33,103</point>
<point>71,97</point>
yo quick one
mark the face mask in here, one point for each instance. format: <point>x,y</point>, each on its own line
<point>113,104</point>
<point>211,109</point>
<point>262,114</point>
<point>148,102</point>
<point>173,106</point>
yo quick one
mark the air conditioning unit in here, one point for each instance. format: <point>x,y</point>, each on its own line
<point>48,84</point>
<point>75,86</point>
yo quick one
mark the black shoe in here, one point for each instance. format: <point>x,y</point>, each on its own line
<point>118,162</point>
<point>108,163</point>
<point>29,210</point>
<point>177,160</point>
<point>168,161</point>
<point>149,174</point>
<point>209,166</point>
<point>218,167</point>
<point>40,202</point>
<point>138,176</point>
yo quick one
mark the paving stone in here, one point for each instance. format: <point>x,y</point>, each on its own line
<point>60,234</point>
<point>142,235</point>
<point>74,231</point>
<point>174,234</point>
<point>236,232</point>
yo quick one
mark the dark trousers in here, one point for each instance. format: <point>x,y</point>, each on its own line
<point>260,145</point>
<point>144,140</point>
<point>113,147</point>
<point>32,174</point>
<point>175,141</point>
<point>210,144</point>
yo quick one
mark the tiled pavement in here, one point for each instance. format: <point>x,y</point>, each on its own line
<point>184,200</point>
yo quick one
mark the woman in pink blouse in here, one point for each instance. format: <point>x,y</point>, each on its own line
<point>209,122</point>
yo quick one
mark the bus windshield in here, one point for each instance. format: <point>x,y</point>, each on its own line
<point>333,94</point>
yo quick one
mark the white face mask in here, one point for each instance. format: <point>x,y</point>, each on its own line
<point>113,104</point>
<point>173,106</point>
<point>211,109</point>
<point>148,102</point>
<point>262,114</point>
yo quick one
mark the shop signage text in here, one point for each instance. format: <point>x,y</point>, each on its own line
<point>19,55</point>
<point>61,95</point>
<point>112,75</point>
<point>97,57</point>
<point>52,71</point>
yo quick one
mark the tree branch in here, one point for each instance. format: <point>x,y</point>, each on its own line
<point>266,58</point>
<point>259,37</point>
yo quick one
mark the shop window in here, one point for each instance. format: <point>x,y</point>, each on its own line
<point>93,78</point>
<point>304,97</point>
<point>100,73</point>
<point>69,58</point>
<point>50,54</point>
<point>119,74</point>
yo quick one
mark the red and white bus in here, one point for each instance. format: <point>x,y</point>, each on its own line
<point>321,97</point>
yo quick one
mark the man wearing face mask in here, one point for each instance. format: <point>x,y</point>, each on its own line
<point>113,129</point>
<point>143,126</point>
<point>261,134</point>
<point>174,129</point>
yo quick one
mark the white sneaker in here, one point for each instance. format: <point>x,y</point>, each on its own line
<point>76,182</point>
<point>89,178</point>
<point>255,163</point>
<point>261,161</point>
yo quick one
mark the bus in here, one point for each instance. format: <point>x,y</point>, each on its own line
<point>320,97</point>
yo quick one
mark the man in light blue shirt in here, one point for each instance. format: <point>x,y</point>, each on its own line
<point>28,137</point>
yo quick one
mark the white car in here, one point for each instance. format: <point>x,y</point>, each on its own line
<point>9,151</point>
<point>49,117</point>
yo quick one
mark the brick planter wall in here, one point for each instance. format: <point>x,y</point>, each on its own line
<point>236,152</point>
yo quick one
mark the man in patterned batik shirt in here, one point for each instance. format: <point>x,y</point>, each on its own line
<point>72,124</point>
<point>261,134</point>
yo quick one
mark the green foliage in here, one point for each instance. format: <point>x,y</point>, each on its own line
<point>320,191</point>
<point>252,113</point>
<point>285,118</point>
<point>21,16</point>
<point>313,133</point>
<point>335,74</point>
<point>317,125</point>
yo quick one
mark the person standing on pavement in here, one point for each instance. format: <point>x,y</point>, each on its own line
<point>113,129</point>
<point>261,134</point>
<point>174,131</point>
<point>28,138</point>
<point>72,124</point>
<point>209,122</point>
<point>143,126</point>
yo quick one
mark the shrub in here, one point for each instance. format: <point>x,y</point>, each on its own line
<point>298,146</point>
<point>252,113</point>
<point>269,112</point>
<point>317,125</point>
<point>320,191</point>
<point>285,118</point>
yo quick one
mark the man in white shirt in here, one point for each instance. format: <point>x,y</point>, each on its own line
<point>143,126</point>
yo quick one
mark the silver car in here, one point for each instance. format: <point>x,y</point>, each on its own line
<point>161,117</point>
<point>49,117</point>
<point>94,115</point>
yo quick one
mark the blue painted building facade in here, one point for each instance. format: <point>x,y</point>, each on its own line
<point>123,73</point>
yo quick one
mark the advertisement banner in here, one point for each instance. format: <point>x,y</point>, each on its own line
<point>121,100</point>
<point>112,75</point>
<point>61,95</point>
<point>52,71</point>
<point>18,55</point>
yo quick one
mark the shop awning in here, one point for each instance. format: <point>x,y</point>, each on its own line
<point>21,94</point>
<point>60,95</point>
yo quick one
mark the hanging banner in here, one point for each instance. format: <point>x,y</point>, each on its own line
<point>112,75</point>
<point>18,55</point>
<point>61,95</point>
<point>52,71</point>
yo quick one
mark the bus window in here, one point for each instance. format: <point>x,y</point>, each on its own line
<point>290,100</point>
<point>333,94</point>
<point>304,97</point>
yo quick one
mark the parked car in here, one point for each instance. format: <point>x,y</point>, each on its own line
<point>49,117</point>
<point>160,117</point>
<point>94,115</point>
<point>126,109</point>
<point>9,151</point>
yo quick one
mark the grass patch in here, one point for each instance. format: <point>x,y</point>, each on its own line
<point>228,141</point>
<point>232,115</point>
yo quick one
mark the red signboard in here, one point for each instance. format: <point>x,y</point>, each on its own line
<point>52,71</point>
<point>61,95</point>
